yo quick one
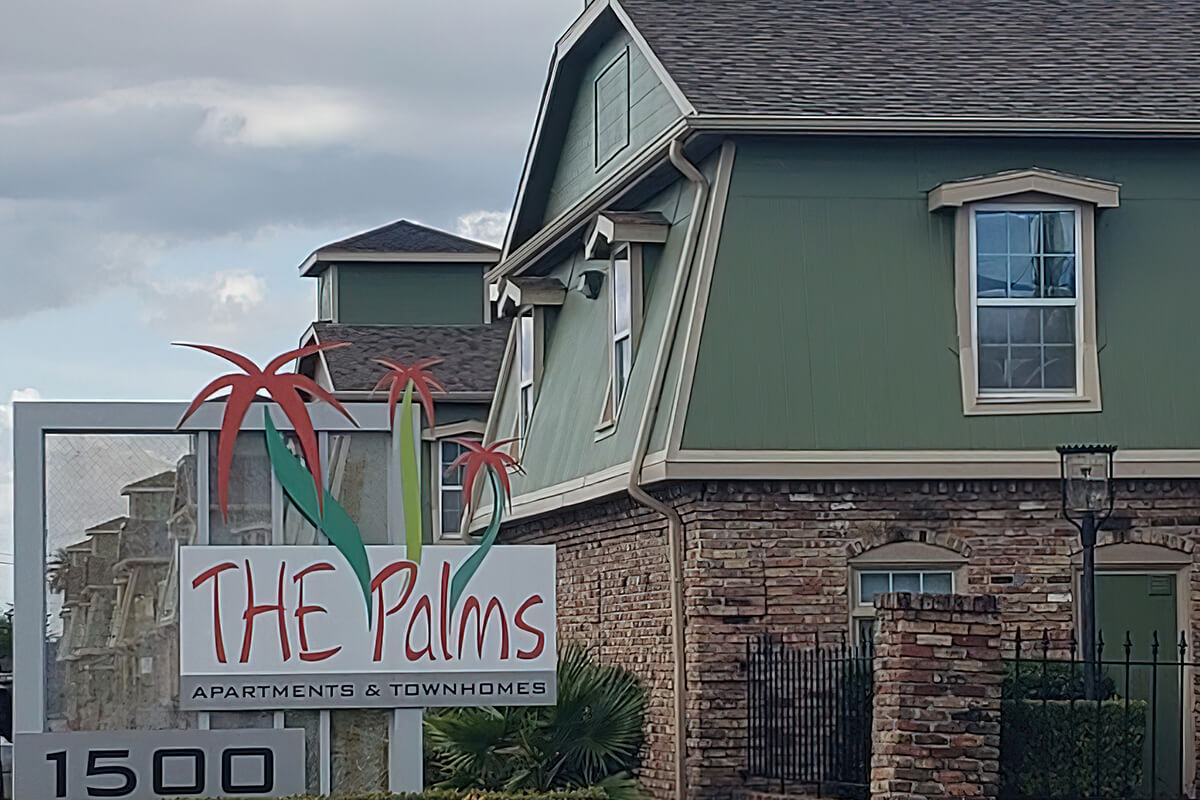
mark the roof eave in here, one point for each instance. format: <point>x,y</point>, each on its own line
<point>823,123</point>
<point>318,261</point>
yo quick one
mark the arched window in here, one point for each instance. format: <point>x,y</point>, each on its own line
<point>900,567</point>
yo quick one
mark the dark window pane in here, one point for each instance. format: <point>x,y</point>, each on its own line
<point>990,235</point>
<point>1025,368</point>
<point>1023,231</point>
<point>1060,276</point>
<point>993,367</point>
<point>1023,277</point>
<point>871,584</point>
<point>992,276</point>
<point>906,582</point>
<point>937,583</point>
<point>993,325</point>
<point>1024,325</point>
<point>1060,367</point>
<point>1058,325</point>
<point>1058,232</point>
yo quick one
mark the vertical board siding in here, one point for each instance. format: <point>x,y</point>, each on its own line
<point>562,442</point>
<point>649,111</point>
<point>410,294</point>
<point>831,320</point>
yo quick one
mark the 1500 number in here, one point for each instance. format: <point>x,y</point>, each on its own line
<point>122,780</point>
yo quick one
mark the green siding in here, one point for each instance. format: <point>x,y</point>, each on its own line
<point>831,319</point>
<point>562,438</point>
<point>650,111</point>
<point>409,294</point>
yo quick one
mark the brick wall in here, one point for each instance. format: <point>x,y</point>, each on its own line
<point>938,674</point>
<point>774,557</point>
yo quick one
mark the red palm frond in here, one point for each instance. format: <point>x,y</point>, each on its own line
<point>398,378</point>
<point>283,389</point>
<point>479,458</point>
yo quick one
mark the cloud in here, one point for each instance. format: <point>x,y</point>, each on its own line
<point>484,226</point>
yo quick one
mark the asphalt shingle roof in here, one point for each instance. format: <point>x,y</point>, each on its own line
<point>470,354</point>
<point>403,236</point>
<point>1038,59</point>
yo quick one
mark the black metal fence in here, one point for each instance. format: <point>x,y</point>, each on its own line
<point>809,716</point>
<point>1128,740</point>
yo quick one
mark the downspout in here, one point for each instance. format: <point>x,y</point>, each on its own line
<point>642,443</point>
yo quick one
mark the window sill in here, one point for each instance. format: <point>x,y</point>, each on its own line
<point>604,431</point>
<point>984,405</point>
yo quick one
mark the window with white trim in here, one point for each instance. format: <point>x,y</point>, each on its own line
<point>526,350</point>
<point>450,487</point>
<point>622,322</point>
<point>870,583</point>
<point>1025,279</point>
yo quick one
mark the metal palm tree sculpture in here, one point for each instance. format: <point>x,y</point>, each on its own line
<point>476,460</point>
<point>284,389</point>
<point>403,381</point>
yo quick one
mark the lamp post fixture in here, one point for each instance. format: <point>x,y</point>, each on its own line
<point>1087,493</point>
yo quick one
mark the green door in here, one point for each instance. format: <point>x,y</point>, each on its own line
<point>1141,605</point>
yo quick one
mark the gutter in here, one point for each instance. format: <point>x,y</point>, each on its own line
<point>675,551</point>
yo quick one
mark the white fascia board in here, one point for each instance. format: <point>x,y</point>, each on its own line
<point>323,259</point>
<point>799,123</point>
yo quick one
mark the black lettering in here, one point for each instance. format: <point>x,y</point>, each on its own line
<point>347,690</point>
<point>468,688</point>
<point>539,687</point>
<point>449,688</point>
<point>199,692</point>
<point>268,770</point>
<point>197,757</point>
<point>523,687</point>
<point>431,689</point>
<point>487,688</point>
<point>504,688</point>
<point>411,690</point>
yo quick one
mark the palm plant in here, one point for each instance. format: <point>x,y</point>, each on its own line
<point>284,389</point>
<point>58,568</point>
<point>591,737</point>
<point>403,381</point>
<point>475,459</point>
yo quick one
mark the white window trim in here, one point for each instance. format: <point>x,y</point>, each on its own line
<point>1086,397</point>
<point>439,485</point>
<point>525,421</point>
<point>611,411</point>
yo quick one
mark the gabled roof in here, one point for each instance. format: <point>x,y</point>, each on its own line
<point>1046,59</point>
<point>470,354</point>
<point>402,241</point>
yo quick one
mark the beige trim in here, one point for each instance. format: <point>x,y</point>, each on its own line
<point>703,287</point>
<point>466,427</point>
<point>576,218</point>
<point>1004,184</point>
<point>796,123</point>
<point>912,464</point>
<point>517,292</point>
<point>308,268</point>
<point>975,403</point>
<point>613,233</point>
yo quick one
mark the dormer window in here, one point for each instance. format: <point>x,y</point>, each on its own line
<point>622,323</point>
<point>526,349</point>
<point>1025,267</point>
<point>622,238</point>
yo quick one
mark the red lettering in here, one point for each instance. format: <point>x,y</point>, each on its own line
<point>444,611</point>
<point>213,572</point>
<point>413,655</point>
<point>377,586</point>
<point>519,621</point>
<point>302,610</point>
<point>472,605</point>
<point>253,611</point>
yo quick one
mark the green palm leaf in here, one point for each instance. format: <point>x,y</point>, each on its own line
<point>297,483</point>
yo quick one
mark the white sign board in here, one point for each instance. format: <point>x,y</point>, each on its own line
<point>142,765</point>
<point>295,627</point>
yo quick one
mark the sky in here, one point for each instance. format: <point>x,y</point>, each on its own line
<point>166,166</point>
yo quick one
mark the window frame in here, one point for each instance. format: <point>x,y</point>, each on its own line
<point>1075,303</point>
<point>614,396</point>
<point>526,408</point>
<point>1086,396</point>
<point>440,488</point>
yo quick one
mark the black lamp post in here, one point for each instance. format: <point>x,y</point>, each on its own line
<point>1087,493</point>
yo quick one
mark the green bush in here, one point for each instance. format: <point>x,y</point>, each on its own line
<point>591,737</point>
<point>1049,748</point>
<point>1051,680</point>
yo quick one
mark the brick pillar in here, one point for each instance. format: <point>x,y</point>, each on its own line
<point>938,677</point>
